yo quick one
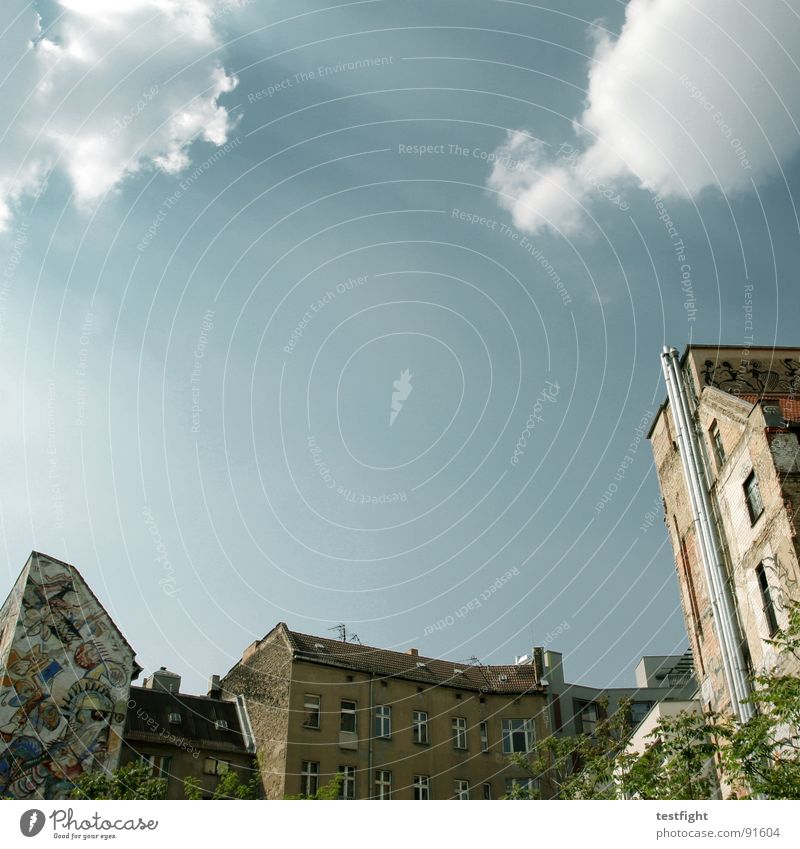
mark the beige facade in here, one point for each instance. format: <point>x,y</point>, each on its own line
<point>397,725</point>
<point>745,415</point>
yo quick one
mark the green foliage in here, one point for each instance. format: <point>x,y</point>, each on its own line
<point>327,792</point>
<point>230,786</point>
<point>132,781</point>
<point>758,758</point>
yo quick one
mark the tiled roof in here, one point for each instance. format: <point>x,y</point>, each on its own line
<point>790,407</point>
<point>491,679</point>
<point>149,719</point>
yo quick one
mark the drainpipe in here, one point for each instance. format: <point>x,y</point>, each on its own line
<point>722,604</point>
<point>371,727</point>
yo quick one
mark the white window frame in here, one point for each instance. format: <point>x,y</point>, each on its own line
<point>419,726</point>
<point>483,729</point>
<point>512,727</point>
<point>487,790</point>
<point>383,722</point>
<point>383,784</point>
<point>348,788</point>
<point>459,727</point>
<point>309,778</point>
<point>461,789</point>
<point>348,714</point>
<point>311,709</point>
<point>529,784</point>
<point>422,788</point>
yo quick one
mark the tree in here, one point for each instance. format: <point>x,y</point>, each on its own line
<point>760,757</point>
<point>132,781</point>
<point>230,786</point>
<point>327,792</point>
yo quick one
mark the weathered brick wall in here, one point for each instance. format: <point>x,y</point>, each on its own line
<point>263,677</point>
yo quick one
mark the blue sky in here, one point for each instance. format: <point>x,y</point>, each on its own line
<point>229,228</point>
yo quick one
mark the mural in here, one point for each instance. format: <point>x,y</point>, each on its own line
<point>743,377</point>
<point>64,683</point>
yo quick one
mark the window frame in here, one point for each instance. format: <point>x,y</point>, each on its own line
<point>458,726</point>
<point>383,784</point>
<point>578,707</point>
<point>310,708</point>
<point>461,789</point>
<point>383,722</point>
<point>508,735</point>
<point>752,494</point>
<point>348,774</point>
<point>348,713</point>
<point>217,769</point>
<point>717,446</point>
<point>527,782</point>
<point>767,602</point>
<point>422,788</point>
<point>483,731</point>
<point>487,790</point>
<point>309,776</point>
<point>419,727</point>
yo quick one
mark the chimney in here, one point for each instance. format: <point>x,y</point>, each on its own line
<point>163,680</point>
<point>214,687</point>
<point>413,652</point>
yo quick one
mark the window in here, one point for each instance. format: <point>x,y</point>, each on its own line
<point>639,711</point>
<point>517,735</point>
<point>586,716</point>
<point>520,788</point>
<point>383,721</point>
<point>484,732</point>
<point>348,788</point>
<point>348,722</point>
<point>311,711</point>
<point>459,725</point>
<point>419,726</point>
<point>159,764</point>
<point>422,787</point>
<point>752,494</point>
<point>716,444</point>
<point>487,791</point>
<point>766,600</point>
<point>309,778</point>
<point>213,766</point>
<point>383,784</point>
<point>461,789</point>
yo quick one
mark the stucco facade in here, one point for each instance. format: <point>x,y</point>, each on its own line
<point>400,726</point>
<point>65,673</point>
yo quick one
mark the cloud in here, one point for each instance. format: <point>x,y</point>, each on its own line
<point>690,96</point>
<point>101,90</point>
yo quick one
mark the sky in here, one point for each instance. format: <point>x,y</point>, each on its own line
<point>351,313</point>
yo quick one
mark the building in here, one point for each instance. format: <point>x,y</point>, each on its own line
<point>577,708</point>
<point>65,674</point>
<point>726,453</point>
<point>395,725</point>
<point>183,736</point>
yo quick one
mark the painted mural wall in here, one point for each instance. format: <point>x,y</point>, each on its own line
<point>65,673</point>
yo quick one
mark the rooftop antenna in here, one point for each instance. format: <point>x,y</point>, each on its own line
<point>341,628</point>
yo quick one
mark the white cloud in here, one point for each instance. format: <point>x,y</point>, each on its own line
<point>692,95</point>
<point>106,89</point>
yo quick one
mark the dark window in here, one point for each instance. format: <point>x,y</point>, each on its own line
<point>383,721</point>
<point>716,444</point>
<point>586,716</point>
<point>309,778</point>
<point>639,711</point>
<point>766,600</point>
<point>487,791</point>
<point>422,787</point>
<point>459,725</point>
<point>348,721</point>
<point>752,494</point>
<point>311,711</point>
<point>484,733</point>
<point>517,735</point>
<point>383,784</point>
<point>348,788</point>
<point>419,726</point>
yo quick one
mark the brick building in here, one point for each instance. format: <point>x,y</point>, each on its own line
<point>395,725</point>
<point>726,453</point>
